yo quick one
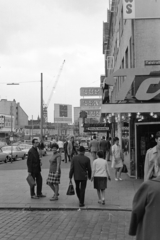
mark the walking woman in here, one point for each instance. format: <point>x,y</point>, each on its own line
<point>53,179</point>
<point>100,173</point>
<point>117,159</point>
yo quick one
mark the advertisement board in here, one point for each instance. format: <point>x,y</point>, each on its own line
<point>140,9</point>
<point>93,113</point>
<point>62,113</point>
<point>90,91</point>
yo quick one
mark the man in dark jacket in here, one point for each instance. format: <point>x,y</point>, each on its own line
<point>34,169</point>
<point>81,169</point>
<point>65,151</point>
<point>104,146</point>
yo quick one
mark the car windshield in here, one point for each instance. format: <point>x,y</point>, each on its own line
<point>6,149</point>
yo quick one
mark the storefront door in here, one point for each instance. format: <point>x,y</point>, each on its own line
<point>144,139</point>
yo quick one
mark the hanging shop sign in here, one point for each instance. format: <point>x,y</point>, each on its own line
<point>90,91</point>
<point>96,127</point>
<point>93,113</point>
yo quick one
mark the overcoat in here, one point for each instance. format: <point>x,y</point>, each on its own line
<point>145,218</point>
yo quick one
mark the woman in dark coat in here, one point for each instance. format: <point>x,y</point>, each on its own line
<point>145,219</point>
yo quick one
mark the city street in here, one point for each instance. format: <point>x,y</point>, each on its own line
<point>24,218</point>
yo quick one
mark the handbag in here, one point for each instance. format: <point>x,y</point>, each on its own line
<point>31,181</point>
<point>124,169</point>
<point>70,190</point>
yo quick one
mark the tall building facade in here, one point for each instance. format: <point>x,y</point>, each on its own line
<point>131,48</point>
<point>12,108</point>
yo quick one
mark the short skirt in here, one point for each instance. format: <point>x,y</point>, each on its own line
<point>53,178</point>
<point>100,183</point>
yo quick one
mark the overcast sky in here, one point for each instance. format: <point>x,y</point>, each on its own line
<point>36,36</point>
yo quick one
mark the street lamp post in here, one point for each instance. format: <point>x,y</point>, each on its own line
<point>11,135</point>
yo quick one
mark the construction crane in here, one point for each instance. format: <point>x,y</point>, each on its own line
<point>45,106</point>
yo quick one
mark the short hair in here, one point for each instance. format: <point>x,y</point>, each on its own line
<point>55,145</point>
<point>100,154</point>
<point>33,140</point>
<point>116,139</point>
<point>81,149</point>
<point>157,135</point>
<point>103,137</point>
<point>94,137</point>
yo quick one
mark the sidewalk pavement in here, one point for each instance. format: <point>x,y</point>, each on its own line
<point>15,194</point>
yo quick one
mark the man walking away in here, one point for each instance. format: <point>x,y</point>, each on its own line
<point>94,147</point>
<point>65,151</point>
<point>81,169</point>
<point>34,169</point>
<point>104,147</point>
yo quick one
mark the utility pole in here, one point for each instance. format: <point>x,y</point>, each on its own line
<point>41,106</point>
<point>32,127</point>
<point>11,136</point>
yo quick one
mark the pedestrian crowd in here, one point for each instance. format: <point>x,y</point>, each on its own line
<point>145,215</point>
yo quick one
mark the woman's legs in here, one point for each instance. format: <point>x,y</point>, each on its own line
<point>56,190</point>
<point>99,195</point>
<point>116,171</point>
<point>103,194</point>
<point>52,187</point>
<point>120,171</point>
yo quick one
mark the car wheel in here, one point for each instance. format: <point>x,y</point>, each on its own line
<point>6,160</point>
<point>15,159</point>
<point>23,157</point>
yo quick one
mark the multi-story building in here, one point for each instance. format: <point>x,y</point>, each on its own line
<point>12,110</point>
<point>131,48</point>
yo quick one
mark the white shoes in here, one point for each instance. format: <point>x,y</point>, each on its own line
<point>116,179</point>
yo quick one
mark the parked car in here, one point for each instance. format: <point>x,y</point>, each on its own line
<point>25,148</point>
<point>4,157</point>
<point>16,152</point>
<point>84,144</point>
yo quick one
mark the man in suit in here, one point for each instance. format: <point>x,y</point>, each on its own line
<point>81,169</point>
<point>104,147</point>
<point>71,150</point>
<point>65,151</point>
<point>94,147</point>
<point>34,169</point>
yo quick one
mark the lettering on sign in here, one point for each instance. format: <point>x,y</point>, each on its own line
<point>93,113</point>
<point>90,91</point>
<point>90,102</point>
<point>151,62</point>
<point>128,9</point>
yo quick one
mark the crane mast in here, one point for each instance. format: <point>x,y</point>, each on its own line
<point>45,106</point>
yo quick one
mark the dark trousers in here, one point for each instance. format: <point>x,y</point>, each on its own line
<point>38,178</point>
<point>65,156</point>
<point>80,189</point>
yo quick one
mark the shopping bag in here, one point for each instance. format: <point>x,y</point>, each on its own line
<point>31,181</point>
<point>124,169</point>
<point>70,190</point>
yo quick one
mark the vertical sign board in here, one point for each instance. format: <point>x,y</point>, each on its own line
<point>129,9</point>
<point>141,9</point>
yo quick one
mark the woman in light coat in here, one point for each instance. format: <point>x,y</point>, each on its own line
<point>100,173</point>
<point>117,159</point>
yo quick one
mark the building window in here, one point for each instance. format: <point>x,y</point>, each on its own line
<point>126,57</point>
<point>131,53</point>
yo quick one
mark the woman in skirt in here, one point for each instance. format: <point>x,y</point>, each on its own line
<point>53,179</point>
<point>100,173</point>
<point>117,159</point>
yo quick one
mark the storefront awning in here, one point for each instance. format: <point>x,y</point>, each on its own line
<point>130,108</point>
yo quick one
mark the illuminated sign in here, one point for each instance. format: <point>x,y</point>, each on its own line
<point>90,91</point>
<point>91,102</point>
